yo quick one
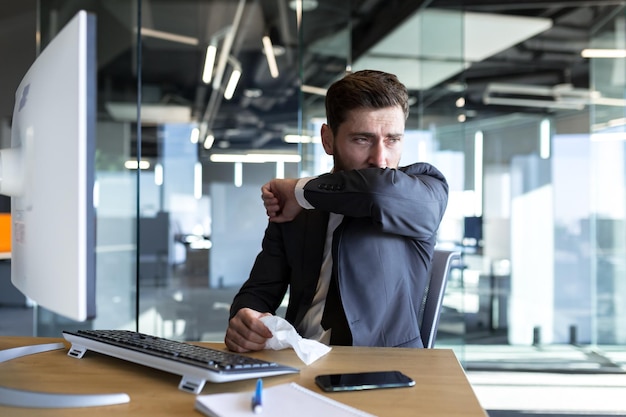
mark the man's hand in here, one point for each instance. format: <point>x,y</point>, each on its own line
<point>246,332</point>
<point>279,199</point>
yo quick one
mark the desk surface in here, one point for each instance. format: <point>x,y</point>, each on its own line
<point>441,389</point>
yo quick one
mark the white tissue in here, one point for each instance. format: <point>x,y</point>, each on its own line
<point>284,336</point>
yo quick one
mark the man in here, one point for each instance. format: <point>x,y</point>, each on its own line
<point>353,247</point>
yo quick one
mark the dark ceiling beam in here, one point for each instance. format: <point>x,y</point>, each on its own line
<point>375,25</point>
<point>605,15</point>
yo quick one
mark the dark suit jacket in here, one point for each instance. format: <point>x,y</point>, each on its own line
<point>383,256</point>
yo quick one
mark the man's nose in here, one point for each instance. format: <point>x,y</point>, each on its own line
<point>378,156</point>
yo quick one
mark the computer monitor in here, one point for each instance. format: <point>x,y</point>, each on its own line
<point>49,174</point>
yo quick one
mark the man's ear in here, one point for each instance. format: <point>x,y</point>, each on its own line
<point>327,139</point>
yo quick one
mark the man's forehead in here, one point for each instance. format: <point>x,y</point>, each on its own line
<point>370,110</point>
<point>365,119</point>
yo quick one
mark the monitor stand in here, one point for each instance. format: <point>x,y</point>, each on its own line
<point>31,399</point>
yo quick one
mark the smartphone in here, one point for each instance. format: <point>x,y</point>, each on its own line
<point>363,381</point>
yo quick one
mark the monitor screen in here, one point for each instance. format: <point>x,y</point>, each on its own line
<point>49,174</point>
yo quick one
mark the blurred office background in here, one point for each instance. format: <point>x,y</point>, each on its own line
<point>513,102</point>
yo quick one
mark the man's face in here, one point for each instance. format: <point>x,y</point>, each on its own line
<point>368,138</point>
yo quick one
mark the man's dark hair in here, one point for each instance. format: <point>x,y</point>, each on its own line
<point>364,89</point>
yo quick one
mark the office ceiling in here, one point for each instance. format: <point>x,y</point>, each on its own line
<point>528,42</point>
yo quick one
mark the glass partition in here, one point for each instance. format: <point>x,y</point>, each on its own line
<point>201,216</point>
<point>605,225</point>
<point>117,187</point>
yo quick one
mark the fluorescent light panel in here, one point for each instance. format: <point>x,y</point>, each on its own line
<point>195,134</point>
<point>209,62</point>
<point>269,55</point>
<point>301,139</point>
<point>133,164</point>
<point>544,139</point>
<point>603,53</point>
<point>254,158</point>
<point>172,37</point>
<point>158,174</point>
<point>232,84</point>
<point>238,175</point>
<point>478,173</point>
<point>313,90</point>
<point>208,141</point>
<point>280,169</point>
<point>197,180</point>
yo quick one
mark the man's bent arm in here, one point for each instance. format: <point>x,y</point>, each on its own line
<point>407,201</point>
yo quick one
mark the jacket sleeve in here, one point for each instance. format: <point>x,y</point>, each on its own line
<point>268,281</point>
<point>408,201</point>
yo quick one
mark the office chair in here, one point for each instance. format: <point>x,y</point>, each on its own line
<point>431,307</point>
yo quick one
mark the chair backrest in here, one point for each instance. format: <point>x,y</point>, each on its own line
<point>431,308</point>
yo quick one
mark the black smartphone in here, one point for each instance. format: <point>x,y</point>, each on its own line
<point>363,380</point>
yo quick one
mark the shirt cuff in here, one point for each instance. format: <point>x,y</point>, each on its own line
<point>299,192</point>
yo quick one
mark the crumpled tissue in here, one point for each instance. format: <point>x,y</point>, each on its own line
<point>284,335</point>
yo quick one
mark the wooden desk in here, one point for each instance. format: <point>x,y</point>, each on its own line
<point>441,389</point>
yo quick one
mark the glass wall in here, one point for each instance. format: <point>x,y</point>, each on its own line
<point>537,197</point>
<point>607,189</point>
<point>117,186</point>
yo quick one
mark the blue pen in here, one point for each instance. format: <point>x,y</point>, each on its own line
<point>257,398</point>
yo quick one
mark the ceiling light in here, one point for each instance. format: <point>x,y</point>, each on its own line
<point>478,173</point>
<point>232,84</point>
<point>255,158</point>
<point>313,90</point>
<point>158,174</point>
<point>133,164</point>
<point>195,134</point>
<point>172,37</point>
<point>211,53</point>
<point>301,139</point>
<point>197,180</point>
<point>603,53</point>
<point>208,141</point>
<point>269,55</point>
<point>280,170</point>
<point>544,139</point>
<point>235,75</point>
<point>238,175</point>
<point>209,62</point>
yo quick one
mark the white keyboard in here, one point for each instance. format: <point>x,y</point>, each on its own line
<point>196,364</point>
